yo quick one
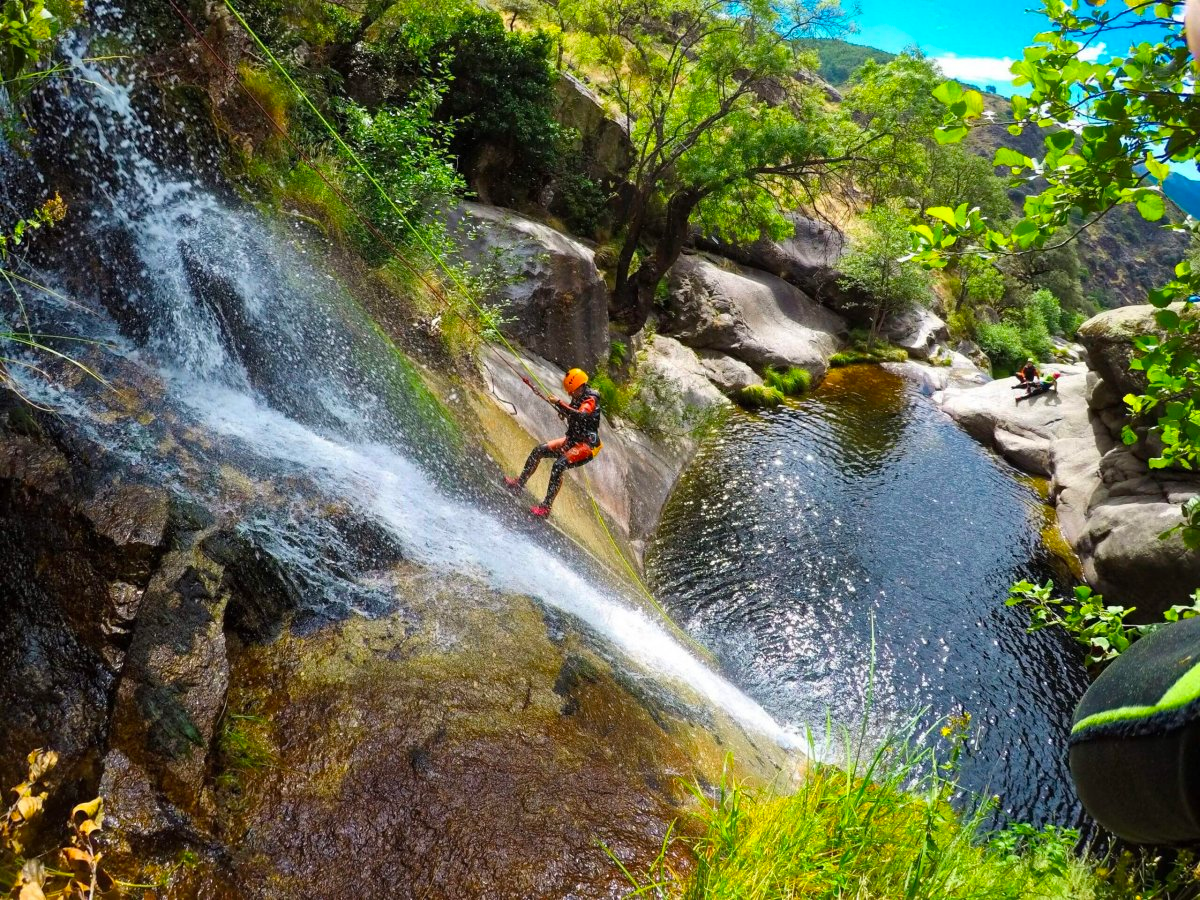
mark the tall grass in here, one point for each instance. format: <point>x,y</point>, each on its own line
<point>878,825</point>
<point>791,382</point>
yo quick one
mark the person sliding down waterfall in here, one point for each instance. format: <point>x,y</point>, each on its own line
<point>577,448</point>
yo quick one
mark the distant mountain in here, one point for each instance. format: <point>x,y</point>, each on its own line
<point>1185,192</point>
<point>840,59</point>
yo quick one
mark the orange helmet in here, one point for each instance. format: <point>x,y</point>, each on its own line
<point>574,380</point>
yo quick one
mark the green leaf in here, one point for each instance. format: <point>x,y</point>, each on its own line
<point>974,101</point>
<point>1150,205</point>
<point>948,92</point>
<point>1006,156</point>
<point>951,135</point>
<point>1167,318</point>
<point>1060,140</point>
<point>945,213</point>
<point>1159,171</point>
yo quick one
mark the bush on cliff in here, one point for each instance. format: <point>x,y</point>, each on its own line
<point>498,87</point>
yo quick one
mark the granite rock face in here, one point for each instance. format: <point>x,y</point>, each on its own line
<point>1111,506</point>
<point>557,300</point>
<point>757,318</point>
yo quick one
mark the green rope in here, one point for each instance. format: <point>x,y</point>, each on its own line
<point>466,294</point>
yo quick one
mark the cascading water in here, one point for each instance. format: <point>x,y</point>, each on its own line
<point>259,347</point>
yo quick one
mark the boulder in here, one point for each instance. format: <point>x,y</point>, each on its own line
<point>1067,351</point>
<point>728,374</point>
<point>1108,338</point>
<point>681,378</point>
<point>758,318</point>
<point>1111,507</point>
<point>172,692</point>
<point>808,259</point>
<point>556,300</point>
<point>603,141</point>
<point>917,330</point>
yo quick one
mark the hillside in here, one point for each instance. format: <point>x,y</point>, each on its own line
<point>1123,255</point>
<point>840,59</point>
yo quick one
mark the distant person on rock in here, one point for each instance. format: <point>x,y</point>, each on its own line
<point>1028,375</point>
<point>577,448</point>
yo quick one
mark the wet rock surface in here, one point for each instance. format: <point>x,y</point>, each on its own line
<point>466,746</point>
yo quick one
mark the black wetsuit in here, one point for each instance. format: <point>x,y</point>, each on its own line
<point>577,448</point>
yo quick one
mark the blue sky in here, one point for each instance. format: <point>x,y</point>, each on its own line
<point>972,41</point>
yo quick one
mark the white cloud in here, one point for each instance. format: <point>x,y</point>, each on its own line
<point>1093,53</point>
<point>976,69</point>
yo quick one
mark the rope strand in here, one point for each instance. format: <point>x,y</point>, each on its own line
<point>530,377</point>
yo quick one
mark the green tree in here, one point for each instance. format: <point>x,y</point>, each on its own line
<point>1113,127</point>
<point>724,132</point>
<point>979,281</point>
<point>876,266</point>
<point>895,102</point>
<point>498,87</point>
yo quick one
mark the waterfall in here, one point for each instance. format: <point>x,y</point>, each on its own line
<point>262,348</point>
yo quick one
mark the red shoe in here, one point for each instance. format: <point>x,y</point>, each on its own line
<point>513,484</point>
<point>541,512</point>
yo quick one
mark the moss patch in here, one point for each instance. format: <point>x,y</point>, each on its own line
<point>465,719</point>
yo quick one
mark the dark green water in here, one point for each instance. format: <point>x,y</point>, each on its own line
<point>862,532</point>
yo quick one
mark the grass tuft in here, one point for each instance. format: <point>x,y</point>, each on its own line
<point>792,382</point>
<point>880,825</point>
<point>759,396</point>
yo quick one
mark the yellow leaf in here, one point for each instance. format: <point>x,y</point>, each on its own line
<point>31,892</point>
<point>88,826</point>
<point>29,807</point>
<point>90,809</point>
<point>41,762</point>
<point>74,854</point>
<point>22,789</point>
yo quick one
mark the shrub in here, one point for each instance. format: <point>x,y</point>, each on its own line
<point>1003,344</point>
<point>1099,627</point>
<point>759,396</point>
<point>793,382</point>
<point>499,83</point>
<point>407,152</point>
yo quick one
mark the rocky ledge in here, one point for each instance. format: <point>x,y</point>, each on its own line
<point>1111,507</point>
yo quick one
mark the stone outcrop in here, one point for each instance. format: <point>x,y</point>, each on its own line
<point>556,300</point>
<point>919,331</point>
<point>681,378</point>
<point>753,316</point>
<point>1111,507</point>
<point>728,374</point>
<point>808,259</point>
<point>1108,338</point>
<point>603,143</point>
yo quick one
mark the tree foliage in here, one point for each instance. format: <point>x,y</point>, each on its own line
<point>1114,127</point>
<point>725,129</point>
<point>498,84</point>
<point>877,267</point>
